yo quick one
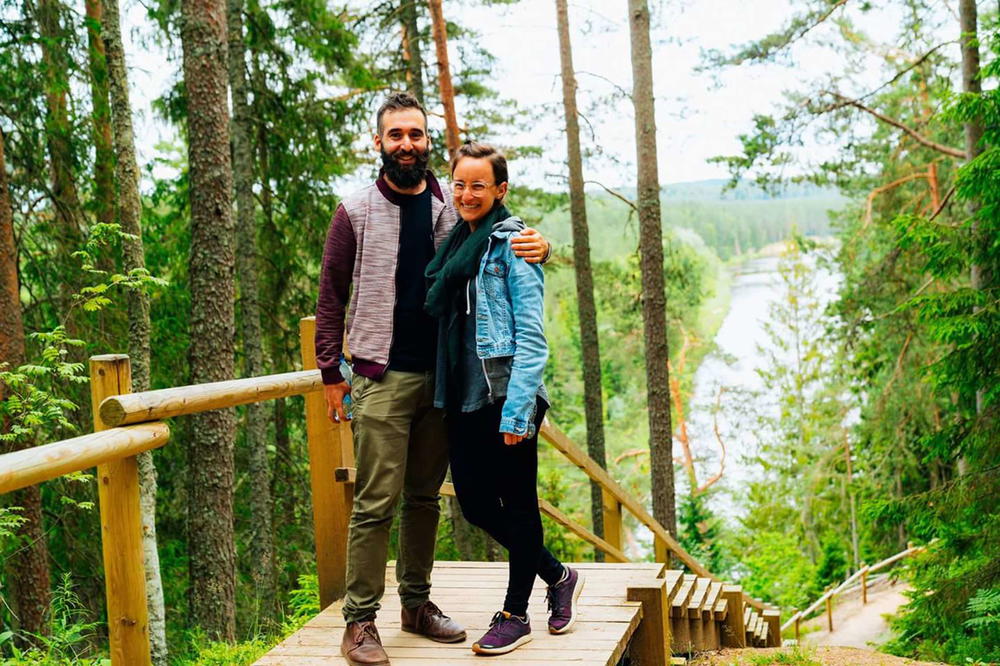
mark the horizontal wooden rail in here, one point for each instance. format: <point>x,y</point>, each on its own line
<point>166,403</point>
<point>41,463</point>
<point>575,455</point>
<point>840,589</point>
<point>348,474</point>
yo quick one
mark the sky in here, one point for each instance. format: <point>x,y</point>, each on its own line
<point>699,115</point>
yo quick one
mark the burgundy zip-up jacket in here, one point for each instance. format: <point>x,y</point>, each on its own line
<point>362,250</point>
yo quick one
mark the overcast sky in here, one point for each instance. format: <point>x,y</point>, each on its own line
<point>698,116</point>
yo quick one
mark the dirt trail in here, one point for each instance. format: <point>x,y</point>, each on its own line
<point>857,625</point>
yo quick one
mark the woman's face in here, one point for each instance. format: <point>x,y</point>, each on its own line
<point>474,188</point>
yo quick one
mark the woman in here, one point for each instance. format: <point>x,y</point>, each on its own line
<point>491,353</point>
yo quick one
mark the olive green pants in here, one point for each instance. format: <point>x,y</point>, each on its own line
<point>401,449</point>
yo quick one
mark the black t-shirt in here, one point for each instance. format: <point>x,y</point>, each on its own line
<point>414,332</point>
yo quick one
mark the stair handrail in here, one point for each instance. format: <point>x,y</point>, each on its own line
<point>861,573</point>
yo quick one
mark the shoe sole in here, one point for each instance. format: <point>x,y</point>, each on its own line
<point>478,649</point>
<point>576,595</point>
<point>458,638</point>
<point>369,663</point>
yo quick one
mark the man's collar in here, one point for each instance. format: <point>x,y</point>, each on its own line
<point>396,198</point>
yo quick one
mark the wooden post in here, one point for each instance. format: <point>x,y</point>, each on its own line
<point>331,501</point>
<point>121,527</point>
<point>651,641</point>
<point>829,613</point>
<point>797,619</point>
<point>661,552</point>
<point>864,584</point>
<point>733,631</point>
<point>773,620</point>
<point>612,519</point>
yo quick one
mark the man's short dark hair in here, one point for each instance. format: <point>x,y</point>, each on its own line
<point>397,102</point>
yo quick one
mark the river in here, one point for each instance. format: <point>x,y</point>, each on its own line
<point>740,350</point>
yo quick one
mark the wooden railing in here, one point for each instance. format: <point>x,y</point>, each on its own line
<point>126,424</point>
<point>860,576</point>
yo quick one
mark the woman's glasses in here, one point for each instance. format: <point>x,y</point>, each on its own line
<point>477,189</point>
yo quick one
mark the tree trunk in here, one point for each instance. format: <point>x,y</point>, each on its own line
<point>412,52</point>
<point>211,276</point>
<point>104,185</point>
<point>589,344</point>
<point>58,135</point>
<point>439,29</point>
<point>971,84</point>
<point>654,300</point>
<point>29,565</point>
<point>262,537</point>
<point>134,258</point>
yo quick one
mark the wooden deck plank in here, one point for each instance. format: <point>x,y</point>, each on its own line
<point>607,620</point>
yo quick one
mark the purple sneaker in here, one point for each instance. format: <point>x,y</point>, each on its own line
<point>561,599</point>
<point>507,632</point>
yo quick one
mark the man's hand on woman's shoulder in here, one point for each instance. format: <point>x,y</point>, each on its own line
<point>531,246</point>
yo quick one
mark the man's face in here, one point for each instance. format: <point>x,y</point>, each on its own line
<point>404,146</point>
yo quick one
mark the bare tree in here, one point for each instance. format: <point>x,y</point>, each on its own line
<point>589,344</point>
<point>211,276</point>
<point>654,299</point>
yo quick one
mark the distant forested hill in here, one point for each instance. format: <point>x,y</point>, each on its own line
<point>731,223</point>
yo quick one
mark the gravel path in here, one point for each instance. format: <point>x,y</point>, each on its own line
<point>857,625</point>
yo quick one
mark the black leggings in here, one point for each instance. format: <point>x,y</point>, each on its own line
<point>496,485</point>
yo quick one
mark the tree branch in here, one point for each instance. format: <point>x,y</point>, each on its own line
<point>919,138</point>
<point>618,195</point>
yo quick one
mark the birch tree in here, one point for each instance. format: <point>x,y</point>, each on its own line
<point>126,175</point>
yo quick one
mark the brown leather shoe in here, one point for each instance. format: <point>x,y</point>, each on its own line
<point>361,645</point>
<point>428,620</point>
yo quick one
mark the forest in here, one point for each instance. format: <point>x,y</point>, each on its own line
<point>183,224</point>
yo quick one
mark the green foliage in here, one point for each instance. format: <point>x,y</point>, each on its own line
<point>72,636</point>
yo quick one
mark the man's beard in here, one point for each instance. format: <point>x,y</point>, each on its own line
<point>405,176</point>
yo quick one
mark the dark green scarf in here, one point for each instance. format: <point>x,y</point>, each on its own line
<point>457,261</point>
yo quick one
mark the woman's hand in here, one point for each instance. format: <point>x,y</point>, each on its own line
<point>510,439</point>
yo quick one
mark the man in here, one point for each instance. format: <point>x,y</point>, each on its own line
<point>380,241</point>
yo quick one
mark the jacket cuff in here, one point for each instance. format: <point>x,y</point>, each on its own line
<point>331,375</point>
<point>516,426</point>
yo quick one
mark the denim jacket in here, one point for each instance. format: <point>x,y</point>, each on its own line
<point>510,325</point>
<point>510,340</point>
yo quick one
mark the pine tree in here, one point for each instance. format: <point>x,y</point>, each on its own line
<point>654,302</point>
<point>211,278</point>
<point>589,343</point>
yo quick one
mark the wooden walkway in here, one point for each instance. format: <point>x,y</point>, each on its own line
<point>471,592</point>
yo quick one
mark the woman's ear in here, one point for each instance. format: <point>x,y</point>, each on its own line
<point>502,191</point>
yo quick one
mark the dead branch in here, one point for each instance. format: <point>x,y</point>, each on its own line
<point>618,195</point>
<point>884,188</point>
<point>919,138</point>
<point>722,446</point>
<point>634,453</point>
